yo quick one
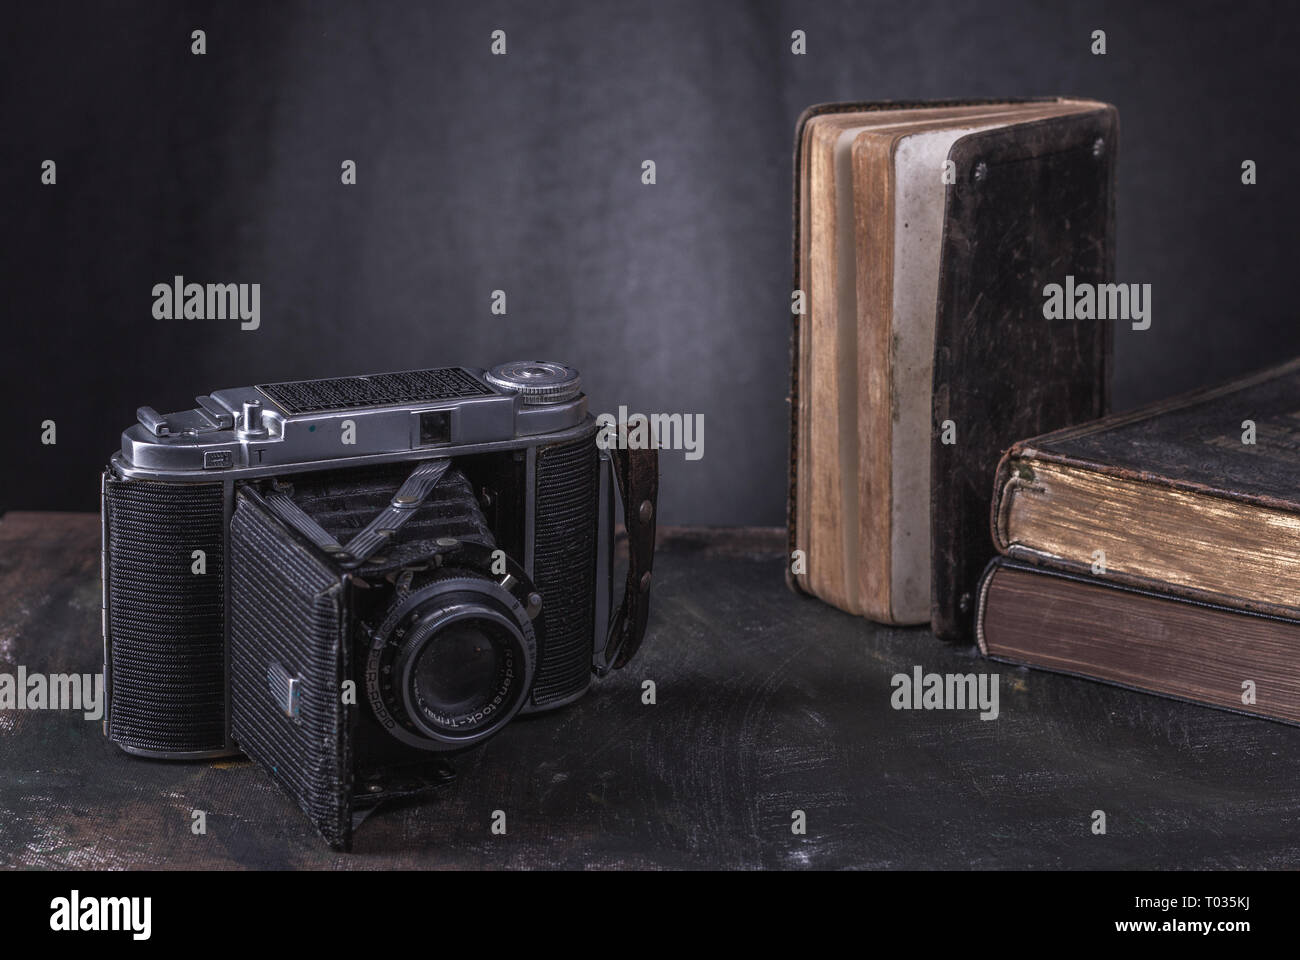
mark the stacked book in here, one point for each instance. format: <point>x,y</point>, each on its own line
<point>1158,549</point>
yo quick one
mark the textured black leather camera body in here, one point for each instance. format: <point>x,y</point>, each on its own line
<point>350,579</point>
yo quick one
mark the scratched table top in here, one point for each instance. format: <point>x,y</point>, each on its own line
<point>766,704</point>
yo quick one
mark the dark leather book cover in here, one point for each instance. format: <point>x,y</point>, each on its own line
<point>1209,516</point>
<point>1031,203</point>
<point>1140,639</point>
<point>1193,441</point>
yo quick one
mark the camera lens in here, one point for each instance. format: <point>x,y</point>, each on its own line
<point>462,675</point>
<point>453,674</point>
<point>452,663</point>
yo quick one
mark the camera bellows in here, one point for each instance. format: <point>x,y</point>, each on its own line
<point>166,639</point>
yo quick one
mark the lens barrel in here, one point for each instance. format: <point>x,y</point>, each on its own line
<point>452,662</point>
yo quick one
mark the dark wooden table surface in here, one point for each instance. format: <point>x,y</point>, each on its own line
<point>767,703</point>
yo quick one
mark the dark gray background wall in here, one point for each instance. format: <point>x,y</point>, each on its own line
<point>522,173</point>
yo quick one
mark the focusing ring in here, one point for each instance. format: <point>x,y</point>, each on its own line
<point>424,617</point>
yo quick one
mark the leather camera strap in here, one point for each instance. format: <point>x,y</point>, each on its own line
<point>637,473</point>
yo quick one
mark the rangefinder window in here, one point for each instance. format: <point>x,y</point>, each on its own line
<point>435,427</point>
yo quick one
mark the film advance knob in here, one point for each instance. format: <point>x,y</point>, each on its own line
<point>537,381</point>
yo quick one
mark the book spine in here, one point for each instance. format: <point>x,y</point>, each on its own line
<point>986,581</point>
<point>1001,499</point>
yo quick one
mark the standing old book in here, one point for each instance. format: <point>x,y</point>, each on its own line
<point>925,235</point>
<point>1195,496</point>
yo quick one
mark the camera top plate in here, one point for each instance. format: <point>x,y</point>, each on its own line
<point>314,424</point>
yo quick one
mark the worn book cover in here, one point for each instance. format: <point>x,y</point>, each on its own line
<point>1141,639</point>
<point>925,235</point>
<point>1195,495</point>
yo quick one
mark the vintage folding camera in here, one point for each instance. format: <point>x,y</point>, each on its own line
<point>349,579</point>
